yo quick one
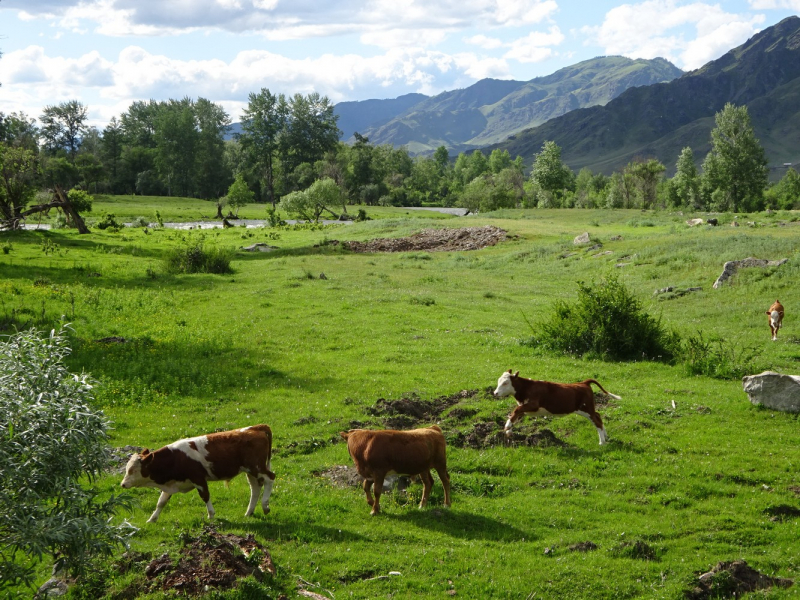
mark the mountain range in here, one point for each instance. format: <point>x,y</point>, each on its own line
<point>657,121</point>
<point>491,109</point>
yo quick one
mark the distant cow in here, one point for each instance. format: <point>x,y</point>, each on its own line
<point>775,314</point>
<point>191,463</point>
<point>378,453</point>
<point>547,398</point>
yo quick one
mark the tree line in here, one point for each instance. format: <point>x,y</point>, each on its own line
<point>288,147</point>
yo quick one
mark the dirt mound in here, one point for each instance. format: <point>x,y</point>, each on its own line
<point>433,240</point>
<point>118,458</point>
<point>732,579</point>
<point>341,476</point>
<point>210,560</point>
<point>410,411</point>
<point>583,547</point>
<point>782,512</point>
<point>490,433</point>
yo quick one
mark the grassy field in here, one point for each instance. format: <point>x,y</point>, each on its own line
<point>693,474</point>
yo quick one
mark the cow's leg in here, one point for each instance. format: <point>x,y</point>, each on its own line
<point>427,485</point>
<point>598,422</point>
<point>268,480</point>
<point>202,489</point>
<point>255,490</point>
<point>376,507</point>
<point>367,486</point>
<point>445,477</point>
<point>162,502</point>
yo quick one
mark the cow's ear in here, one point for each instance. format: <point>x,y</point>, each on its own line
<point>144,452</point>
<point>510,371</point>
<point>516,374</point>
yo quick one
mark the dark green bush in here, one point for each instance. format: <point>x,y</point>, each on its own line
<point>607,321</point>
<point>109,221</point>
<point>196,259</point>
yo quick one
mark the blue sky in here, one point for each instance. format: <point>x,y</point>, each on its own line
<point>109,53</point>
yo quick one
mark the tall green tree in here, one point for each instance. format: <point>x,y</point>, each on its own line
<point>18,168</point>
<point>263,123</point>
<point>646,176</point>
<point>549,173</point>
<point>111,153</point>
<point>17,129</point>
<point>62,127</point>
<point>686,181</point>
<point>738,169</point>
<point>211,172</point>
<point>176,136</point>
<point>311,130</point>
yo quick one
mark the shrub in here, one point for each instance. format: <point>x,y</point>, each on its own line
<point>717,358</point>
<point>196,259</point>
<point>140,222</point>
<point>109,221</point>
<point>51,437</point>
<point>609,322</point>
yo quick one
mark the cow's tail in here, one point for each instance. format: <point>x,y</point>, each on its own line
<point>607,393</point>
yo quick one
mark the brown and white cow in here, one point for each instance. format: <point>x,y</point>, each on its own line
<point>191,463</point>
<point>775,314</point>
<point>547,398</point>
<point>378,453</point>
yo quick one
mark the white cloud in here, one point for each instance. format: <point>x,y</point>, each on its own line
<point>484,42</point>
<point>775,4</point>
<point>659,28</point>
<point>535,47</point>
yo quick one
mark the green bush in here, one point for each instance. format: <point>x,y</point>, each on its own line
<point>109,221</point>
<point>196,259</point>
<point>609,322</point>
<point>717,358</point>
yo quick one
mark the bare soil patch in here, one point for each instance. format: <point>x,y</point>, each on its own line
<point>432,240</point>
<point>782,512</point>
<point>410,411</point>
<point>487,434</point>
<point>731,580</point>
<point>210,560</point>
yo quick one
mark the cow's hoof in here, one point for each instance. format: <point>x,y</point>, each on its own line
<point>266,510</point>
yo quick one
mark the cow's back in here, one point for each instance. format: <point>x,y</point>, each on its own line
<point>405,452</point>
<point>561,398</point>
<point>229,451</point>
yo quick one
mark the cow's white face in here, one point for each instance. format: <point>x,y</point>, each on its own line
<point>133,474</point>
<point>504,387</point>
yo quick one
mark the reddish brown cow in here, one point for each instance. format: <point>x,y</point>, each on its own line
<point>775,314</point>
<point>548,398</point>
<point>191,463</point>
<point>378,453</point>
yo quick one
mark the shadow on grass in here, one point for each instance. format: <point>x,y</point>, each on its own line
<point>461,524</point>
<point>283,529</point>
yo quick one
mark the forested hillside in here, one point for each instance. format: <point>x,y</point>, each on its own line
<point>658,120</point>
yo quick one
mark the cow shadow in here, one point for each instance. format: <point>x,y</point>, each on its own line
<point>462,524</point>
<point>269,528</point>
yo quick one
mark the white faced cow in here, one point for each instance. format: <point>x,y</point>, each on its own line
<point>191,463</point>
<point>775,314</point>
<point>547,398</point>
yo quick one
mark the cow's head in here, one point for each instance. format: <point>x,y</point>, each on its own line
<point>505,384</point>
<point>515,416</point>
<point>136,473</point>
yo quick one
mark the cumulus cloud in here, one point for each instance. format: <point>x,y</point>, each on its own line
<point>483,41</point>
<point>658,28</point>
<point>284,20</point>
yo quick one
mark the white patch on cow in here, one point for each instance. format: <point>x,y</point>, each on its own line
<point>507,428</point>
<point>504,387</point>
<point>200,454</point>
<point>210,510</point>
<point>541,412</point>
<point>245,428</point>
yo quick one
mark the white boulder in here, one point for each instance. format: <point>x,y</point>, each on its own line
<point>774,390</point>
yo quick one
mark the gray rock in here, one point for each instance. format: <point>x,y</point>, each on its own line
<point>693,222</point>
<point>582,239</point>
<point>258,247</point>
<point>52,588</point>
<point>773,390</point>
<point>730,267</point>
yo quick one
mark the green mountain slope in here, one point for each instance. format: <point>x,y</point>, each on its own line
<point>491,109</point>
<point>658,120</point>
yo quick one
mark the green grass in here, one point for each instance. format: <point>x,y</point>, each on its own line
<point>274,343</point>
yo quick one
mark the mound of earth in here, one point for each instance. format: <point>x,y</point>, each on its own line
<point>433,240</point>
<point>343,476</point>
<point>410,411</point>
<point>490,433</point>
<point>731,580</point>
<point>210,560</point>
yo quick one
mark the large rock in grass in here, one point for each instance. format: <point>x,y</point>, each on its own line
<point>773,390</point>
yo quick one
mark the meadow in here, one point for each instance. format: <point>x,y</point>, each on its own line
<point>693,474</point>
